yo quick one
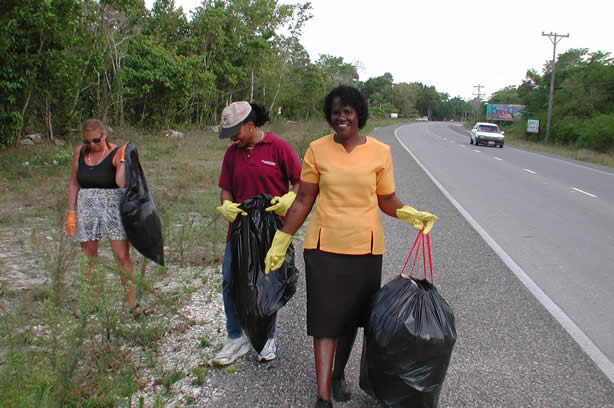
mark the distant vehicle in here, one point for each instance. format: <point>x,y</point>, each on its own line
<point>487,133</point>
<point>422,119</point>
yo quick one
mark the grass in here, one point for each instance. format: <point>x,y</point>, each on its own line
<point>50,358</point>
<point>47,356</point>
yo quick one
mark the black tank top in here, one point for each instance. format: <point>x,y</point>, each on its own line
<point>101,175</point>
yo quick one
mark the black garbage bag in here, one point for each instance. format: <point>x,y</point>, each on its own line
<point>138,211</point>
<point>407,345</point>
<point>257,297</point>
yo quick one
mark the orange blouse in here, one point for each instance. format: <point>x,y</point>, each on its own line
<point>346,217</point>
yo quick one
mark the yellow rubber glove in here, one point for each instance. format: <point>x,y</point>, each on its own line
<point>230,210</point>
<point>282,204</point>
<point>420,220</point>
<point>70,223</point>
<point>274,258</point>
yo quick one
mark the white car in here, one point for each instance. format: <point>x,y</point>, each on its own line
<point>487,133</point>
<point>422,119</point>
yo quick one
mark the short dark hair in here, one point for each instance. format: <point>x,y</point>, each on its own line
<point>350,96</point>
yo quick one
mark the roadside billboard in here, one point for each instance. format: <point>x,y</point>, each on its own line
<point>504,111</point>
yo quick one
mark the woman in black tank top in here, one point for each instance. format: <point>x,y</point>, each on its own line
<point>95,188</point>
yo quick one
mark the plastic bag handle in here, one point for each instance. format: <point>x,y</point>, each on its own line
<point>419,244</point>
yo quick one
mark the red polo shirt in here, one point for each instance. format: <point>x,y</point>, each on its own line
<point>268,168</point>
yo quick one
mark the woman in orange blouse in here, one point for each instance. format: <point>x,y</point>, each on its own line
<point>349,177</point>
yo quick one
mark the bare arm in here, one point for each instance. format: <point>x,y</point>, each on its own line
<point>226,195</point>
<point>389,204</point>
<point>73,185</point>
<point>306,196</point>
<point>120,170</point>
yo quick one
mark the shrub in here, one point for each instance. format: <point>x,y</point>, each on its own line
<point>598,133</point>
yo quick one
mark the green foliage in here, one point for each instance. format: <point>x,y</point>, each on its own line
<point>598,133</point>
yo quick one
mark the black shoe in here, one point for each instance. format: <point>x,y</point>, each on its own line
<point>320,403</point>
<point>340,389</point>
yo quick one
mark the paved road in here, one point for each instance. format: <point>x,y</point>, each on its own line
<point>510,351</point>
<point>554,218</point>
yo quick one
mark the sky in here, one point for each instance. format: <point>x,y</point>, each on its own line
<point>461,47</point>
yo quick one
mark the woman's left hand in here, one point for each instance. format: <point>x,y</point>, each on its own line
<point>282,204</point>
<point>420,220</point>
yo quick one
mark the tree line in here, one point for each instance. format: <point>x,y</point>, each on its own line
<point>62,61</point>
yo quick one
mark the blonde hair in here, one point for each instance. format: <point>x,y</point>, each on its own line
<point>94,124</point>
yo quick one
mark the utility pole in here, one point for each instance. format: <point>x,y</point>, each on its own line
<point>479,94</point>
<point>554,38</point>
<point>479,98</point>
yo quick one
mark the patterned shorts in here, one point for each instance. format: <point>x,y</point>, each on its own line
<point>98,215</point>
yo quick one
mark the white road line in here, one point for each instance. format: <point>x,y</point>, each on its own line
<point>497,158</point>
<point>530,171</point>
<point>585,343</point>
<point>476,150</point>
<point>584,192</point>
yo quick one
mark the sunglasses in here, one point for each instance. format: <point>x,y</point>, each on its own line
<point>95,140</point>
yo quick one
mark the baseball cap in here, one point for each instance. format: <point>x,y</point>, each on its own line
<point>233,116</point>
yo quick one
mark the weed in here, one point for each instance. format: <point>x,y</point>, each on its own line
<point>198,376</point>
<point>171,378</point>
<point>204,343</point>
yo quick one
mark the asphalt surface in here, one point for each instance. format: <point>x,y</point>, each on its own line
<point>510,351</point>
<point>553,217</point>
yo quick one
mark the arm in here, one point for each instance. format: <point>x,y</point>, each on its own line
<point>120,167</point>
<point>226,195</point>
<point>70,221</point>
<point>389,204</point>
<point>306,196</point>
<point>73,185</point>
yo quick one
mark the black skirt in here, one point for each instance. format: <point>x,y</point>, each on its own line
<point>339,291</point>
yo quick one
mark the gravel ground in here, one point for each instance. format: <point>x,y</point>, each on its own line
<point>509,353</point>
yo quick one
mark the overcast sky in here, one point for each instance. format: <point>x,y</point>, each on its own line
<point>452,45</point>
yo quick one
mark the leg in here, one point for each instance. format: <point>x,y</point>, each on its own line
<point>121,249</point>
<point>233,327</point>
<point>339,387</point>
<point>90,249</point>
<point>342,353</point>
<point>324,351</point>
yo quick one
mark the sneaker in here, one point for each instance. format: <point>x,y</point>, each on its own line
<point>233,349</point>
<point>268,351</point>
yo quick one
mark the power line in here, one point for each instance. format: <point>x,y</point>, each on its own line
<point>554,38</point>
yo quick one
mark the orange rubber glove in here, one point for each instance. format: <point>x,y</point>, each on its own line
<point>122,153</point>
<point>282,204</point>
<point>420,220</point>
<point>70,223</point>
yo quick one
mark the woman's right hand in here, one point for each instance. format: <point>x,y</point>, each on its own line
<point>70,223</point>
<point>230,210</point>
<point>274,258</point>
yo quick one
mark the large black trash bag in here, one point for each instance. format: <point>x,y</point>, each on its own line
<point>257,297</point>
<point>408,344</point>
<point>138,211</point>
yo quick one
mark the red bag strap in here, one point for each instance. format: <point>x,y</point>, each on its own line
<point>419,244</point>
